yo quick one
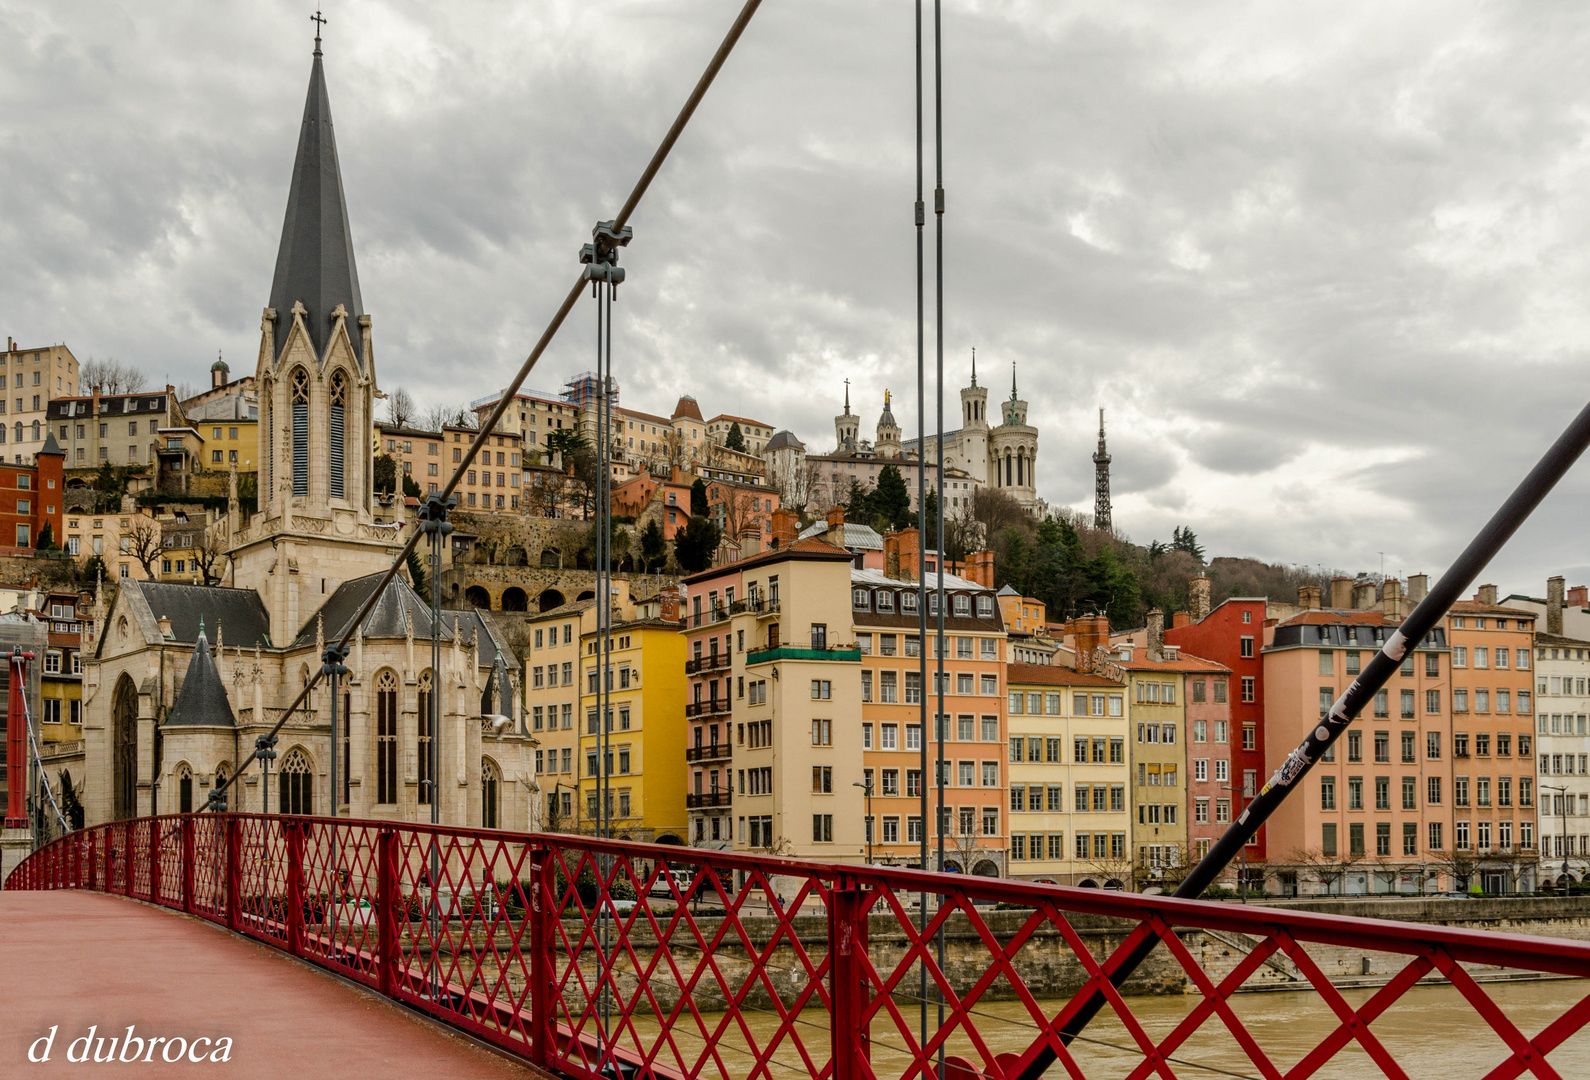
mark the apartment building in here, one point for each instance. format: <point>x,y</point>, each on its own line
<point>29,379</point>
<point>1069,775</point>
<point>61,681</point>
<point>1375,814</point>
<point>532,416</point>
<point>1026,623</point>
<point>31,494</point>
<point>886,614</point>
<point>1562,707</point>
<point>1493,725</point>
<point>756,433</point>
<point>552,696</point>
<point>111,537</point>
<point>147,429</point>
<point>774,703</point>
<point>496,480</point>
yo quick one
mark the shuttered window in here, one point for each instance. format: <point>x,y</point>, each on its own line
<point>339,405</point>
<point>300,432</point>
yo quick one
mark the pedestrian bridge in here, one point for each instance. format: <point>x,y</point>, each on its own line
<point>317,945</point>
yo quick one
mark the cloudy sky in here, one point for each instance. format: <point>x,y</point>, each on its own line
<point>1325,265</point>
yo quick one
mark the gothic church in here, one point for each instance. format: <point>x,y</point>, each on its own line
<point>181,679</point>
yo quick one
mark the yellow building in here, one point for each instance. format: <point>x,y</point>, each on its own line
<point>1069,776</point>
<point>647,733</point>
<point>229,444</point>
<point>30,377</point>
<point>61,682</point>
<point>112,537</point>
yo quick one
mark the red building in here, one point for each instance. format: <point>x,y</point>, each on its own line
<point>30,499</point>
<point>1232,635</point>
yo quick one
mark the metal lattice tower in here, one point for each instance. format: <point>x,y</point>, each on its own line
<point>1101,482</point>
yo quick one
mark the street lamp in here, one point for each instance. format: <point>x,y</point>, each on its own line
<point>1242,878</point>
<point>1564,804</point>
<point>867,787</point>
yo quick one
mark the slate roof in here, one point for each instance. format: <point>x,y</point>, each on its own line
<point>51,446</point>
<point>239,613</point>
<point>386,618</point>
<point>314,264</point>
<point>202,698</point>
<point>782,439</point>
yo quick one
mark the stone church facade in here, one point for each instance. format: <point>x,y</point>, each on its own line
<point>180,679</point>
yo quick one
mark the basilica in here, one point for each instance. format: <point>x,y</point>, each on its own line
<point>179,680</point>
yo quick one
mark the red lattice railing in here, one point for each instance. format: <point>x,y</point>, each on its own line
<point>597,958</point>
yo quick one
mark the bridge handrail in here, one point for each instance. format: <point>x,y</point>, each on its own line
<point>550,945</point>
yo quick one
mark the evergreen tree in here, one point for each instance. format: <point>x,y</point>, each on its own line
<point>46,538</point>
<point>891,499</point>
<point>930,529</point>
<point>1186,540</point>
<point>385,475</point>
<point>565,441</point>
<point>417,573</point>
<point>735,439</point>
<point>858,503</point>
<point>699,507</point>
<point>695,544</point>
<point>653,547</point>
<point>410,486</point>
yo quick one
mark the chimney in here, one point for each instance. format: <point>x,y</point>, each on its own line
<point>1342,592</point>
<point>1308,597</point>
<point>981,569</point>
<point>1198,598</point>
<point>786,527</point>
<point>1418,586</point>
<point>1363,595</point>
<point>836,515</point>
<point>1091,632</point>
<point>1579,596</point>
<point>891,555</point>
<point>669,603</point>
<point>750,542</point>
<point>1391,598</point>
<point>1180,619</point>
<point>1555,587</point>
<point>1156,634</point>
<point>910,568</point>
<point>1486,595</point>
<point>165,626</point>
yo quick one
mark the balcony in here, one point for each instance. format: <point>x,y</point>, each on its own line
<point>762,608</point>
<point>710,752</point>
<point>786,652</point>
<point>712,707</point>
<point>711,798</point>
<point>711,662</point>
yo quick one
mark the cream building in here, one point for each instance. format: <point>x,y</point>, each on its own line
<point>182,678</point>
<point>29,379</point>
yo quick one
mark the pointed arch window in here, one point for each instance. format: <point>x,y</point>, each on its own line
<point>347,744</point>
<point>490,787</point>
<point>300,395</point>
<point>185,788</point>
<point>425,735</point>
<point>296,783</point>
<point>339,421</point>
<point>386,717</point>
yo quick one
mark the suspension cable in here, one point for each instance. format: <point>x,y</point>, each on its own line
<point>217,800</point>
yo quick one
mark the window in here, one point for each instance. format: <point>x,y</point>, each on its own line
<point>822,733</point>
<point>386,688</point>
<point>1247,643</point>
<point>1247,689</point>
<point>822,689</point>
<point>1432,699</point>
<point>823,828</point>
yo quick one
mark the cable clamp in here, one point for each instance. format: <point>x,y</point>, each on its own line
<point>433,514</point>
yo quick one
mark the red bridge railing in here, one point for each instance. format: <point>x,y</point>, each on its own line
<point>599,958</point>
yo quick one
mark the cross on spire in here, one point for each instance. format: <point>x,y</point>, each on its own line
<point>319,20</point>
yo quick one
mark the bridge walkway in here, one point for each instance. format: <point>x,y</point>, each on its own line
<point>73,960</point>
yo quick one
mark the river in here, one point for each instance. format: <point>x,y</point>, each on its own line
<point>1431,1031</point>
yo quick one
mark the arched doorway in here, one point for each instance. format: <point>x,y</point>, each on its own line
<point>1087,883</point>
<point>514,599</point>
<point>669,838</point>
<point>549,599</point>
<point>985,868</point>
<point>124,749</point>
<point>588,594</point>
<point>516,556</point>
<point>551,559</point>
<point>475,596</point>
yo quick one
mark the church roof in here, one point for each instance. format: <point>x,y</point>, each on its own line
<point>314,264</point>
<point>238,613</point>
<point>202,698</point>
<point>386,618</point>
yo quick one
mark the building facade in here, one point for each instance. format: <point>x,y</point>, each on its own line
<point>1562,708</point>
<point>30,378</point>
<point>31,501</point>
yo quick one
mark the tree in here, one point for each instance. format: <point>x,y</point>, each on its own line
<point>400,408</point>
<point>891,499</point>
<point>385,474</point>
<point>858,502</point>
<point>416,572</point>
<point>1460,866</point>
<point>439,416</point>
<point>1328,870</point>
<point>699,506</point>
<point>411,486</point>
<point>735,439</point>
<point>45,541</point>
<point>1186,540</point>
<point>92,571</point>
<point>142,541</point>
<point>653,547</point>
<point>695,544</point>
<point>110,376</point>
<point>562,444</point>
<point>210,556</point>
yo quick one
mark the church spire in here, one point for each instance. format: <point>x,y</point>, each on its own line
<point>1013,395</point>
<point>1101,482</point>
<point>314,264</point>
<point>974,365</point>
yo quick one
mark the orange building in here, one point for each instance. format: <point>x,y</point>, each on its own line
<point>1374,815</point>
<point>886,615</point>
<point>1493,753</point>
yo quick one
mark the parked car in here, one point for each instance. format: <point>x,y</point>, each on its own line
<point>682,878</point>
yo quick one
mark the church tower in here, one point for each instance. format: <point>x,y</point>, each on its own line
<point>846,427</point>
<point>888,444</point>
<point>1013,451</point>
<point>316,380</point>
<point>974,428</point>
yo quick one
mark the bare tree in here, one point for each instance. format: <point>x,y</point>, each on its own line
<point>400,408</point>
<point>1329,870</point>
<point>143,541</point>
<point>210,557</point>
<point>734,504</point>
<point>110,376</point>
<point>439,416</point>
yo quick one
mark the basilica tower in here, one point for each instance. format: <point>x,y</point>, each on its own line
<point>888,444</point>
<point>974,428</point>
<point>1013,450</point>
<point>846,427</point>
<point>317,391</point>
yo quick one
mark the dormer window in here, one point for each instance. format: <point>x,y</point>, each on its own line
<point>885,600</point>
<point>985,607</point>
